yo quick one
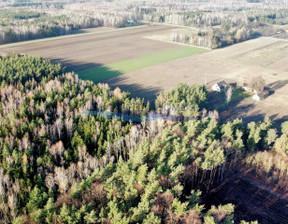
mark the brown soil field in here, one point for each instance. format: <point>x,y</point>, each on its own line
<point>252,201</point>
<point>81,51</point>
<point>266,57</point>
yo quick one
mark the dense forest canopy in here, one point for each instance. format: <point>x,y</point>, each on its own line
<point>60,165</point>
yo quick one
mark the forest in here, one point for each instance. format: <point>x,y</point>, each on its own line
<point>60,165</point>
<point>19,25</point>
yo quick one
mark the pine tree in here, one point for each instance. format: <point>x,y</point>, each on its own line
<point>179,208</point>
<point>271,136</point>
<point>37,199</point>
<point>91,217</point>
<point>50,210</point>
<point>151,218</point>
<point>64,215</point>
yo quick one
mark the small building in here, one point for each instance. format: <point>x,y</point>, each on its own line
<point>248,88</point>
<point>256,97</point>
<point>219,86</point>
<point>260,96</point>
<point>131,22</point>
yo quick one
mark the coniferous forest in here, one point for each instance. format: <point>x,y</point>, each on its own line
<point>60,165</point>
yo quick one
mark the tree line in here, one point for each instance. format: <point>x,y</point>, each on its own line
<point>20,25</point>
<point>220,23</point>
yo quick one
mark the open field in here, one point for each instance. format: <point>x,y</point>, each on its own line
<point>100,47</point>
<point>101,73</point>
<point>148,66</point>
<point>82,32</point>
<point>266,57</point>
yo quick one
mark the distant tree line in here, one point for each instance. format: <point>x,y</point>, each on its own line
<point>19,25</point>
<point>220,23</point>
<point>215,38</point>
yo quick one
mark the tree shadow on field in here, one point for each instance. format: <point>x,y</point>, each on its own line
<point>278,121</point>
<point>103,74</point>
<point>217,100</point>
<point>272,87</point>
<point>74,66</point>
<point>243,107</point>
<point>242,112</point>
<point>136,90</point>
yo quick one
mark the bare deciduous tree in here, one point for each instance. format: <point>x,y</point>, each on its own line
<point>59,127</point>
<point>69,126</point>
<point>61,179</point>
<point>258,83</point>
<point>57,151</point>
<point>229,94</point>
<point>49,181</point>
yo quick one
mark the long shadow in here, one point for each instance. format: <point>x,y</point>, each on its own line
<point>215,100</point>
<point>237,109</point>
<point>278,122</point>
<point>114,78</point>
<point>241,112</point>
<point>272,87</point>
<point>136,90</point>
<point>257,116</point>
<point>233,109</point>
<point>74,66</point>
<point>72,32</point>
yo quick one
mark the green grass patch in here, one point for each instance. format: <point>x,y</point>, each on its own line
<point>100,73</point>
<point>240,94</point>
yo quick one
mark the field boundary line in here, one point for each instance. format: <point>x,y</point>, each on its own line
<point>174,42</point>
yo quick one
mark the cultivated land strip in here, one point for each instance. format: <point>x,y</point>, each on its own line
<point>80,52</point>
<point>101,73</point>
<point>91,31</point>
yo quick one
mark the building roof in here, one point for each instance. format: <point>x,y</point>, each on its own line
<point>222,84</point>
<point>262,94</point>
<point>247,85</point>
